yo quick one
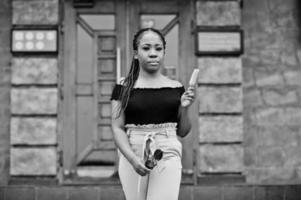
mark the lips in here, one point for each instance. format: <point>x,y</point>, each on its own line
<point>153,62</point>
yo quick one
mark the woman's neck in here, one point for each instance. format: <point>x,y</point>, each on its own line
<point>150,79</point>
<point>146,75</point>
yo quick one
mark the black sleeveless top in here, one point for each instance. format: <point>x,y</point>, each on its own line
<point>151,105</point>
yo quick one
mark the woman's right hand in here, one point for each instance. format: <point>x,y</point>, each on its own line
<point>139,167</point>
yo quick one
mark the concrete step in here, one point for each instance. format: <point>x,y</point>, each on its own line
<point>187,192</point>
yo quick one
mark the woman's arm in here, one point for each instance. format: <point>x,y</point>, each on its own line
<point>122,142</point>
<point>184,124</point>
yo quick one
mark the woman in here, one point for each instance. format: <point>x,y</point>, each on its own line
<point>148,113</point>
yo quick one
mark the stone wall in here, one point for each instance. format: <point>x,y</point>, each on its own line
<point>34,97</point>
<point>272,91</point>
<point>220,90</point>
<point>5,25</point>
<point>250,108</point>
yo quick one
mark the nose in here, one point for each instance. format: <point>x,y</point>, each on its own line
<point>152,53</point>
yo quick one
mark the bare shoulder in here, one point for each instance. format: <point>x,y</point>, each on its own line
<point>174,83</point>
<point>121,80</point>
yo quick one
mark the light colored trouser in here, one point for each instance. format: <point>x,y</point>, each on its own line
<point>163,182</point>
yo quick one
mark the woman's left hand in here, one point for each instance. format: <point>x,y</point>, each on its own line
<point>188,97</point>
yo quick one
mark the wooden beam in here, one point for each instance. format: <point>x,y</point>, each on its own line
<point>68,104</point>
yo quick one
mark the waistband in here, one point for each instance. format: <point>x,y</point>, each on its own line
<point>152,127</point>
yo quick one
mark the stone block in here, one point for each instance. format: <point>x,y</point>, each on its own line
<point>218,13</point>
<point>284,16</point>
<point>292,158</point>
<point>252,98</point>
<point>281,136</point>
<point>34,71</point>
<point>221,158</point>
<point>19,193</point>
<point>237,193</point>
<point>220,70</point>
<point>247,74</point>
<point>33,161</point>
<point>269,156</point>
<point>33,131</point>
<point>186,193</point>
<point>220,99</point>
<point>207,192</point>
<point>281,174</point>
<point>50,193</point>
<point>220,129</point>
<point>264,78</point>
<point>290,116</point>
<point>288,56</point>
<point>83,193</point>
<point>269,56</point>
<point>276,98</point>
<point>35,12</point>
<point>292,78</point>
<point>111,192</point>
<point>270,175</point>
<point>34,100</point>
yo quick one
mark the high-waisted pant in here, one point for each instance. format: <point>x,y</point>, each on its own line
<point>163,182</point>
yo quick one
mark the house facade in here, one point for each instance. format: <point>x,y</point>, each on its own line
<point>60,60</point>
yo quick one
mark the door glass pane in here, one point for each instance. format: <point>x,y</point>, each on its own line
<point>84,56</point>
<point>172,52</point>
<point>100,22</point>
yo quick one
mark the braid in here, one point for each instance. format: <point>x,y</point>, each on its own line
<point>133,74</point>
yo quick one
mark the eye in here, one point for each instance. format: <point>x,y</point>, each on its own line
<point>145,48</point>
<point>159,48</point>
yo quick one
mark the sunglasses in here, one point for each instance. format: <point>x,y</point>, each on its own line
<point>151,160</point>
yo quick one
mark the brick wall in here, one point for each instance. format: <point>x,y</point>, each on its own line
<point>272,91</point>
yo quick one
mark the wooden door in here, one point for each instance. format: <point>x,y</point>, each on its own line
<point>93,42</point>
<point>97,47</point>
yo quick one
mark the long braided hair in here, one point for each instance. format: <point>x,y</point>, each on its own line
<point>130,79</point>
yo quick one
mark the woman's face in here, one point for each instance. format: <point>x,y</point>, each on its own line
<point>150,52</point>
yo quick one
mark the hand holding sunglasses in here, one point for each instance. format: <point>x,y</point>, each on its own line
<point>152,160</point>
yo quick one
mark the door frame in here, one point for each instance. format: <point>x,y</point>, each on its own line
<point>67,114</point>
